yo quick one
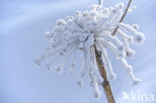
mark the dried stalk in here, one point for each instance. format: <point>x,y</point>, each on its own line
<point>123,16</point>
<point>105,84</point>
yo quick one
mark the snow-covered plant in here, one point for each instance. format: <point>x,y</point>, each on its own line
<point>86,30</point>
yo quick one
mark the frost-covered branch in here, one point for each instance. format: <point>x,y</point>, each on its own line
<point>123,16</point>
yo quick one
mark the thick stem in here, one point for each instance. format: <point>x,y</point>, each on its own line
<point>105,84</point>
<point>123,16</point>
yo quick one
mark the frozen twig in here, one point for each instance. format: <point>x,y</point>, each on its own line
<point>123,16</point>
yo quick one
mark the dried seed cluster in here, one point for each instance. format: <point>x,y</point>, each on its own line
<point>88,28</point>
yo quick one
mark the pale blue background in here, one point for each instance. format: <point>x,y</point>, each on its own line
<point>22,24</point>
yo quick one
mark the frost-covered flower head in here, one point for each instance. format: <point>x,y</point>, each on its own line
<point>87,29</point>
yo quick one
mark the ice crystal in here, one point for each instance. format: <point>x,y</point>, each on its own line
<point>86,29</point>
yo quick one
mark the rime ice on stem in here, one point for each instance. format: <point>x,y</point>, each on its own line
<point>86,29</point>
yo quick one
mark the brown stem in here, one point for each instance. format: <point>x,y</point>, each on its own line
<point>105,84</point>
<point>123,16</point>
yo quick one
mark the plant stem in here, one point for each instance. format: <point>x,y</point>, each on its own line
<point>123,16</point>
<point>105,84</point>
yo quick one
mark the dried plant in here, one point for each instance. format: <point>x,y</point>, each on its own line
<point>93,32</point>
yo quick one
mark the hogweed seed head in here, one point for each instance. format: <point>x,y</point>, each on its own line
<point>86,29</point>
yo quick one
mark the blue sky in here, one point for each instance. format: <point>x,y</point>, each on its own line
<point>22,24</point>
